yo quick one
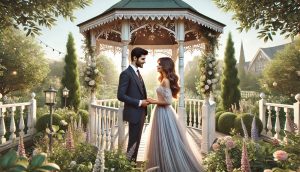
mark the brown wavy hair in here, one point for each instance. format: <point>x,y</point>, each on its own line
<point>168,67</point>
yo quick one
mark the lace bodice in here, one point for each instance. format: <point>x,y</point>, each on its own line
<point>164,94</point>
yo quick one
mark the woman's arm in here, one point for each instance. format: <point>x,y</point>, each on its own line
<point>158,102</point>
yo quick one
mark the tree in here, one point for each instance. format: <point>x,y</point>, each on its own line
<point>30,15</point>
<point>267,17</point>
<point>241,69</point>
<point>192,75</point>
<point>70,77</point>
<point>109,77</point>
<point>23,61</point>
<point>284,70</point>
<point>230,92</point>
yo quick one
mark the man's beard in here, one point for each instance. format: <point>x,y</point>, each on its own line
<point>139,65</point>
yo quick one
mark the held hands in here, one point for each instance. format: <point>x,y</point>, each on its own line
<point>151,101</point>
<point>145,103</point>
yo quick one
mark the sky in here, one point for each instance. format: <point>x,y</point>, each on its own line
<point>56,37</point>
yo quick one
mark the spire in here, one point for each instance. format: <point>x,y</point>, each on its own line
<point>242,55</point>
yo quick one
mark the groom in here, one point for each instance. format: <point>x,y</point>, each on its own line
<point>132,92</point>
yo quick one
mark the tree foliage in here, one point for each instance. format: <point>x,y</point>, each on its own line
<point>230,91</point>
<point>24,65</point>
<point>71,77</point>
<point>192,75</point>
<point>266,16</point>
<point>284,70</point>
<point>31,15</point>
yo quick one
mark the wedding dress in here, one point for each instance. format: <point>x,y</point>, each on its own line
<point>168,145</point>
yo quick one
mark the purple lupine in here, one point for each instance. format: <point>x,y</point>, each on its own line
<point>254,131</point>
<point>245,165</point>
<point>21,148</point>
<point>229,164</point>
<point>244,129</point>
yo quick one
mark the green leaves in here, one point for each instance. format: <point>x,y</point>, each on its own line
<point>265,16</point>
<point>10,162</point>
<point>30,15</point>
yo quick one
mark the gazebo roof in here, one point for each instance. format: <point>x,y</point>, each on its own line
<point>130,9</point>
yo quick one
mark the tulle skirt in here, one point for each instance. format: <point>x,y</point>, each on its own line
<point>168,145</point>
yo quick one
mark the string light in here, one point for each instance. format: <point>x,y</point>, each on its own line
<point>53,49</point>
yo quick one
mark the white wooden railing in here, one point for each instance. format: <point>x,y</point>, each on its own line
<point>25,128</point>
<point>265,115</point>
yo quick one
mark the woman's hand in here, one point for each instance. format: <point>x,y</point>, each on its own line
<point>151,101</point>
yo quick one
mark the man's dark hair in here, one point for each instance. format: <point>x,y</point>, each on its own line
<point>138,52</point>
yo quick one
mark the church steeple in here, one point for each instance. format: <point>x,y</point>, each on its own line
<point>242,55</point>
<point>241,66</point>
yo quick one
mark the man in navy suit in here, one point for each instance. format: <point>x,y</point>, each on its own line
<point>132,92</point>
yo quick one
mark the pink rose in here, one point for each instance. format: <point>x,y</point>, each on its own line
<point>215,146</point>
<point>280,155</point>
<point>230,144</point>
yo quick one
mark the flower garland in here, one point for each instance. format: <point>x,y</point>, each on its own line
<point>208,66</point>
<point>91,73</point>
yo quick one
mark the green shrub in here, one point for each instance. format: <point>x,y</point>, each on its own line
<point>226,122</point>
<point>84,116</point>
<point>247,119</point>
<point>44,121</point>
<point>85,152</point>
<point>118,161</point>
<point>218,114</point>
<point>66,114</point>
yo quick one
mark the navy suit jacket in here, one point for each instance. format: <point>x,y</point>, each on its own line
<point>130,91</point>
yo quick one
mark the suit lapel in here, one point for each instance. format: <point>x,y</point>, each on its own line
<point>137,80</point>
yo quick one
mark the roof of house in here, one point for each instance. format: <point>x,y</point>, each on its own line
<point>271,51</point>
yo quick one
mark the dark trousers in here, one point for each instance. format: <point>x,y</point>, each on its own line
<point>135,134</point>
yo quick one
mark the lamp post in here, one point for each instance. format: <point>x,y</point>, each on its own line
<point>65,95</point>
<point>50,95</point>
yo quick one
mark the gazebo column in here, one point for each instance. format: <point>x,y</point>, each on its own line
<point>125,36</point>
<point>180,39</point>
<point>92,112</point>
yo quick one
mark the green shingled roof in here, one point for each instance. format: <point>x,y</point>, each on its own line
<point>154,4</point>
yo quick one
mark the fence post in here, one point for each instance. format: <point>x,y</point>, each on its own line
<point>92,119</point>
<point>262,111</point>
<point>121,127</point>
<point>297,112</point>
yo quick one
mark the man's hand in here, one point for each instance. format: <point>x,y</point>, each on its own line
<point>145,103</point>
<point>150,100</point>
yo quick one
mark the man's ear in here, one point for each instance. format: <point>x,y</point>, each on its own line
<point>134,58</point>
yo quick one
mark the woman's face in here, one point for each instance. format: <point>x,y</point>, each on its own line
<point>159,67</point>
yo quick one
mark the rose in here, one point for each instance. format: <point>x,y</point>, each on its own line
<point>210,72</point>
<point>208,81</point>
<point>206,87</point>
<point>215,146</point>
<point>230,144</point>
<point>72,163</point>
<point>280,155</point>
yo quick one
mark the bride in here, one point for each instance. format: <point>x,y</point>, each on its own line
<point>168,145</point>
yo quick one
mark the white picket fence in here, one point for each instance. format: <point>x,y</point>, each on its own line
<point>17,112</point>
<point>272,128</point>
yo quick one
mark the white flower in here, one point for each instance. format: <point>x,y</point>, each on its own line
<point>210,72</point>
<point>214,80</point>
<point>208,81</point>
<point>96,71</point>
<point>217,74</point>
<point>63,123</point>
<point>88,72</point>
<point>93,64</point>
<point>87,79</point>
<point>202,90</point>
<point>92,82</point>
<point>210,65</point>
<point>72,163</point>
<point>206,87</point>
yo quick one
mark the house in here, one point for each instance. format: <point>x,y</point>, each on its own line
<point>262,58</point>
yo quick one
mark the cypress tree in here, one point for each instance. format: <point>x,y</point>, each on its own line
<point>230,92</point>
<point>70,77</point>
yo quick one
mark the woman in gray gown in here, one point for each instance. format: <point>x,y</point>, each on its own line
<point>168,145</point>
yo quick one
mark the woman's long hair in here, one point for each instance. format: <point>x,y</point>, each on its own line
<point>168,67</point>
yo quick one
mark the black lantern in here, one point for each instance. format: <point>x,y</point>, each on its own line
<point>65,95</point>
<point>50,100</point>
<point>50,95</point>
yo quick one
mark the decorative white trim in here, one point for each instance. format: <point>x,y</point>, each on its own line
<point>256,56</point>
<point>151,15</point>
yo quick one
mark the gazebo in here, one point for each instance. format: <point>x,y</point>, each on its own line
<point>167,25</point>
<point>152,24</point>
